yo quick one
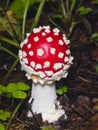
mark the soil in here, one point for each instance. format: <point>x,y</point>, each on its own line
<point>80,102</point>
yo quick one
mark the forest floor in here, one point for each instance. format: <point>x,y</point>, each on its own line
<point>80,102</point>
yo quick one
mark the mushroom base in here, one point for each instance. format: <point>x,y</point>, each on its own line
<point>45,102</point>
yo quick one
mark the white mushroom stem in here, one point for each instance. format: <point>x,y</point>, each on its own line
<point>45,102</point>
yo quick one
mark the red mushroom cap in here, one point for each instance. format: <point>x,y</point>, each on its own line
<point>45,54</point>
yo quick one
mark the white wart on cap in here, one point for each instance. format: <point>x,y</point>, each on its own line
<point>45,53</point>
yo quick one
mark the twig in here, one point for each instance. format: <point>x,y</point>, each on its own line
<point>29,107</point>
<point>83,91</point>
<point>89,109</point>
<point>81,115</point>
<point>83,79</point>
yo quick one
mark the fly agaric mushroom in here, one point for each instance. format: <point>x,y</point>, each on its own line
<point>45,56</point>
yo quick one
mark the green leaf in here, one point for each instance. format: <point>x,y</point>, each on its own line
<point>48,128</point>
<point>11,87</point>
<point>57,16</point>
<point>4,26</point>
<point>2,88</point>
<point>1,126</point>
<point>19,95</point>
<point>64,89</point>
<point>9,95</point>
<point>4,115</point>
<point>9,24</point>
<point>97,69</point>
<point>94,1</point>
<point>1,111</point>
<point>22,86</point>
<point>94,36</point>
<point>7,114</point>
<point>18,7</point>
<point>1,92</point>
<point>59,91</point>
<point>84,10</point>
<point>1,8</point>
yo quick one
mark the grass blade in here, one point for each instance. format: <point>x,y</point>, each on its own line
<point>9,41</point>
<point>8,51</point>
<point>24,17</point>
<point>36,19</point>
<point>10,70</point>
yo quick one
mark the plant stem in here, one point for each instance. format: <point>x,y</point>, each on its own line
<point>72,26</point>
<point>67,6</point>
<point>55,24</point>
<point>8,51</point>
<point>9,41</point>
<point>13,115</point>
<point>24,18</point>
<point>72,8</point>
<point>39,11</point>
<point>63,10</point>
<point>10,70</point>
